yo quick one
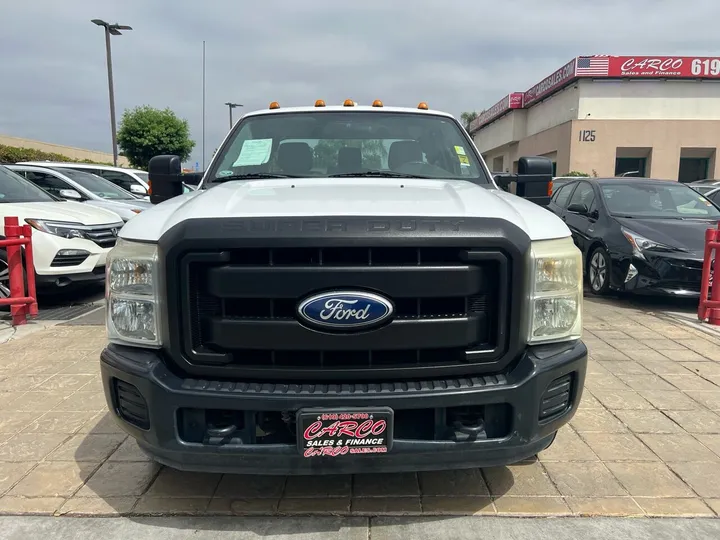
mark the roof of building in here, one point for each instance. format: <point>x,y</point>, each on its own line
<point>601,66</point>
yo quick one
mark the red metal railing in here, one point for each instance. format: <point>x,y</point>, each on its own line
<point>21,305</point>
<point>709,308</point>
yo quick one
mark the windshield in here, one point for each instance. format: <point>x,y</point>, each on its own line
<point>15,189</point>
<point>96,185</point>
<point>703,189</point>
<point>324,144</point>
<point>671,200</point>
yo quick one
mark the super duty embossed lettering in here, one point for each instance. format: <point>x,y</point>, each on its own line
<point>289,226</point>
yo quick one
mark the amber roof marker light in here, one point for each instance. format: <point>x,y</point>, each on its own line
<point>319,103</point>
<point>377,103</point>
<point>349,103</point>
<point>274,105</point>
<point>424,106</point>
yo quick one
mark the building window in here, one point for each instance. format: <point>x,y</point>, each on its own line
<point>498,164</point>
<point>627,166</point>
<point>692,169</point>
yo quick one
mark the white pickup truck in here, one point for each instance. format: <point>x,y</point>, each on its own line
<point>347,291</point>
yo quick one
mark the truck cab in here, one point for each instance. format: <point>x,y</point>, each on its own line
<point>347,291</point>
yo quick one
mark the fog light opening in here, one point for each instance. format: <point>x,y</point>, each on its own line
<point>631,273</point>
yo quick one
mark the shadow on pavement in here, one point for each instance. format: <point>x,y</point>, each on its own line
<point>128,483</point>
<point>646,303</point>
<point>71,296</point>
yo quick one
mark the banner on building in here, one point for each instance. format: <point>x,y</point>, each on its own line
<point>509,102</point>
<point>681,67</point>
<point>549,84</point>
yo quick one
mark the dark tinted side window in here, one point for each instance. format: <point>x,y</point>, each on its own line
<point>119,179</point>
<point>47,182</point>
<point>584,194</point>
<point>562,196</point>
<point>715,197</point>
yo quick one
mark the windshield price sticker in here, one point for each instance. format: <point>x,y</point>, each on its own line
<point>254,152</point>
<point>331,433</point>
<point>462,156</point>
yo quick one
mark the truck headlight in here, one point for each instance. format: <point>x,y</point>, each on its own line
<point>556,291</point>
<point>132,294</point>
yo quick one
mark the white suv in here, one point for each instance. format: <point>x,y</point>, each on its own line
<point>80,186</point>
<point>70,240</point>
<point>133,180</point>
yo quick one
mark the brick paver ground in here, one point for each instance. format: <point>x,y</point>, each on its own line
<point>645,441</point>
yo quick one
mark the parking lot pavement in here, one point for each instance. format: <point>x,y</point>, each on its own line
<point>356,528</point>
<point>645,441</point>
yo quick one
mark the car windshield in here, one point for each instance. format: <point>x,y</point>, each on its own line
<point>707,188</point>
<point>657,200</point>
<point>15,189</point>
<point>96,185</point>
<point>347,143</point>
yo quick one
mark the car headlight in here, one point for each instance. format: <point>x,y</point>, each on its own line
<point>132,294</point>
<point>640,243</point>
<point>556,292</point>
<point>64,229</point>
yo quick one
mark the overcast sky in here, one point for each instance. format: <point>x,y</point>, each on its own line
<point>457,55</point>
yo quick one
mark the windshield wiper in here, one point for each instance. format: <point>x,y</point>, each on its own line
<point>378,174</point>
<point>251,176</point>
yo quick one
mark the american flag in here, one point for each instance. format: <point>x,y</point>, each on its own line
<point>593,65</point>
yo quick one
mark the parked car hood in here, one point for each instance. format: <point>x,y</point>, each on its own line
<point>129,204</point>
<point>125,209</point>
<point>314,197</point>
<point>74,212</point>
<point>687,234</point>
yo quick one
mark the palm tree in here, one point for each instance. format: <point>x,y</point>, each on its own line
<point>467,119</point>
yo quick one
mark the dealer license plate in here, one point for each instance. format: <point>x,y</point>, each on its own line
<point>343,432</point>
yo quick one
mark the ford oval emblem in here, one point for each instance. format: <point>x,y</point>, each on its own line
<point>345,310</point>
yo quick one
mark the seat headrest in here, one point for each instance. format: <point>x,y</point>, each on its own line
<point>402,152</point>
<point>295,157</point>
<point>349,159</point>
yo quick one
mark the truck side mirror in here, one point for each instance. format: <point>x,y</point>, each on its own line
<point>503,180</point>
<point>534,179</point>
<point>165,178</point>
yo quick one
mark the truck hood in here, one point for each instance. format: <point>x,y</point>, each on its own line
<point>312,197</point>
<point>73,212</point>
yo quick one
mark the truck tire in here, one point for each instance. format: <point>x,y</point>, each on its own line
<point>599,268</point>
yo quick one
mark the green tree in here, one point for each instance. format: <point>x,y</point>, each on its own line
<point>326,152</point>
<point>577,173</point>
<point>467,118</point>
<point>146,132</point>
<point>373,154</point>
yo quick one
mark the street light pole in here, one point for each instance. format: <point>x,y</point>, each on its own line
<point>231,106</point>
<point>113,29</point>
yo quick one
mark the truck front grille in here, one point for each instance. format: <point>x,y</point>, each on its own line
<point>451,311</point>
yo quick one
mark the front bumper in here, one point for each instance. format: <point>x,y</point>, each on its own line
<point>61,280</point>
<point>662,275</point>
<point>520,392</point>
